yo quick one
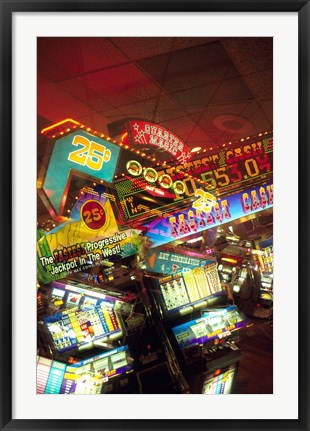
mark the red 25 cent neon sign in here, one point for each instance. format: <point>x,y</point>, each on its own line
<point>93,215</point>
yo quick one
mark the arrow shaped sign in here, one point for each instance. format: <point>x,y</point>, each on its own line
<point>82,152</point>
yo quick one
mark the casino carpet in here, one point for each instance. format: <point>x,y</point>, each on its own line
<point>255,374</point>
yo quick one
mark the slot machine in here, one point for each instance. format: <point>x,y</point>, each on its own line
<point>108,372</point>
<point>182,293</point>
<point>81,321</point>
<point>199,326</point>
<point>219,381</point>
<point>266,294</point>
<point>79,317</point>
<point>209,342</point>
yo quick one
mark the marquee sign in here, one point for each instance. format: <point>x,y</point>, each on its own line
<point>230,167</point>
<point>225,171</point>
<point>206,213</point>
<point>146,133</point>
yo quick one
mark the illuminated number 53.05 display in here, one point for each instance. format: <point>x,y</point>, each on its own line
<point>237,172</point>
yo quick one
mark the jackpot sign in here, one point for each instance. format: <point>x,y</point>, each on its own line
<point>90,236</point>
<point>206,212</point>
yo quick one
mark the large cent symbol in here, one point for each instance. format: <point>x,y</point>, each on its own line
<point>93,215</point>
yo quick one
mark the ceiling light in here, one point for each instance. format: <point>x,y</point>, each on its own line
<point>194,150</point>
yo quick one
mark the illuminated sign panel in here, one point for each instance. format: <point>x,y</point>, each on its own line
<point>165,262</point>
<point>43,370</point>
<point>231,166</point>
<point>84,153</point>
<point>224,171</point>
<point>133,205</point>
<point>146,133</point>
<point>55,378</point>
<point>88,237</point>
<point>181,224</point>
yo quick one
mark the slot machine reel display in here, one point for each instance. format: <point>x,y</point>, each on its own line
<point>84,316</point>
<point>181,293</point>
<point>87,377</point>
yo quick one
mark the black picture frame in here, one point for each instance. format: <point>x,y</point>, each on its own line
<point>8,7</point>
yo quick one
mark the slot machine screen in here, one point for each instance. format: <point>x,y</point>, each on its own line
<point>266,296</point>
<point>73,299</point>
<point>93,372</point>
<point>219,384</point>
<point>57,299</point>
<point>43,370</point>
<point>85,377</point>
<point>174,292</point>
<point>50,376</point>
<point>211,325</point>
<point>181,290</point>
<point>119,360</point>
<point>55,378</point>
<point>76,327</point>
<point>88,303</point>
<point>88,382</point>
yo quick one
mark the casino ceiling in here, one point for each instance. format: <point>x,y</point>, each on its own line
<point>208,91</point>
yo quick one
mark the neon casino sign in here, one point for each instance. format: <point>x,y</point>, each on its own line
<point>78,152</point>
<point>90,236</point>
<point>233,165</point>
<point>223,171</point>
<point>150,134</point>
<point>206,212</point>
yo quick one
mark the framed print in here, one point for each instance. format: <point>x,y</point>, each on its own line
<point>154,215</point>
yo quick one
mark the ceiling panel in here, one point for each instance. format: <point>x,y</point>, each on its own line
<point>195,96</point>
<point>143,47</point>
<point>203,89</point>
<point>98,121</point>
<point>121,85</point>
<point>260,84</point>
<point>250,54</point>
<point>231,90</point>
<point>85,94</point>
<point>157,109</point>
<point>200,65</point>
<point>180,127</point>
<point>267,107</point>
<point>56,104</point>
<point>79,55</point>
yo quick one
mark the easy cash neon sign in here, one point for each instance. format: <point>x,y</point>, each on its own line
<point>207,215</point>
